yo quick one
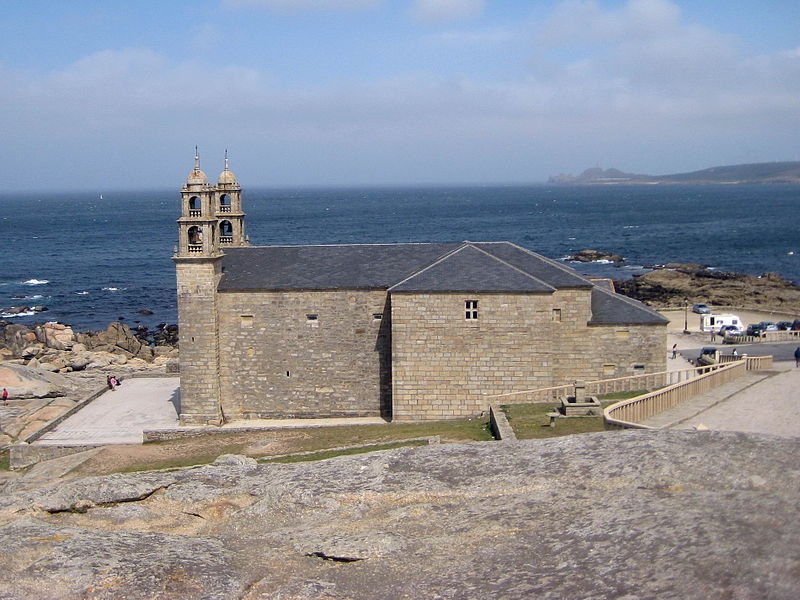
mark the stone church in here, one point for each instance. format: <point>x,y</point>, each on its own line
<point>411,331</point>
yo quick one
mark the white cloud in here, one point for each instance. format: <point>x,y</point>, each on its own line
<point>483,37</point>
<point>439,11</point>
<point>584,21</point>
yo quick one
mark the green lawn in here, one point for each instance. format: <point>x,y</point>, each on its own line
<point>530,421</point>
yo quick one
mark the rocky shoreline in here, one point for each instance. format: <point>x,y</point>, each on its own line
<point>35,359</point>
<point>676,285</point>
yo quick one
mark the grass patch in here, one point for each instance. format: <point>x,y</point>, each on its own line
<point>530,421</point>
<point>319,442</point>
<point>5,460</point>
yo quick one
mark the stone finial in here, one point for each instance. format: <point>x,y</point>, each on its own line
<point>580,391</point>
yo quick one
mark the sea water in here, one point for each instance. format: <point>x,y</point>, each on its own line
<point>93,259</point>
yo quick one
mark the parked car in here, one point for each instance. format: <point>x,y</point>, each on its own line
<point>784,325</point>
<point>708,356</point>
<point>754,329</point>
<point>730,330</point>
<point>701,309</point>
<point>768,326</point>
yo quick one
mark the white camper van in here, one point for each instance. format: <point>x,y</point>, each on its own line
<point>709,323</point>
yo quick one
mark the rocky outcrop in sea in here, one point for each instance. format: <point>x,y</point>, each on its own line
<point>675,285</point>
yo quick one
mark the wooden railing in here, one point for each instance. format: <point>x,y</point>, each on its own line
<point>630,413</point>
<point>630,383</point>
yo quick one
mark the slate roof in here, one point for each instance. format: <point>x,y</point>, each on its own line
<point>419,267</point>
<point>347,266</point>
<point>609,308</point>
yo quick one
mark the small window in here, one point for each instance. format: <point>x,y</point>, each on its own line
<point>638,367</point>
<point>471,310</point>
<point>557,315</point>
<point>377,316</point>
<point>312,319</point>
<point>247,321</point>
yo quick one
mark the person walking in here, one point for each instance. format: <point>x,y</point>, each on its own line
<point>797,357</point>
<point>674,350</point>
<point>5,393</point>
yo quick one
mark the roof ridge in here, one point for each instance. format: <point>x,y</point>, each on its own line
<point>556,264</point>
<point>433,264</point>
<point>509,265</point>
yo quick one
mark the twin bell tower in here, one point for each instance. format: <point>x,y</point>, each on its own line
<point>211,220</point>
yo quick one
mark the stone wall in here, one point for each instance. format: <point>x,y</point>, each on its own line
<point>197,282</point>
<point>304,354</point>
<point>445,366</point>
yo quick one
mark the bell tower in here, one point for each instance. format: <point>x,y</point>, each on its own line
<point>211,220</point>
<point>227,203</point>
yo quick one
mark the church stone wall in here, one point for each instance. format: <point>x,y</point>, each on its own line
<point>304,354</point>
<point>445,366</point>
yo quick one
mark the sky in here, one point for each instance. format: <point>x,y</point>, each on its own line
<point>102,95</point>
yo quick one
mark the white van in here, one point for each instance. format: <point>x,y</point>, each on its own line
<point>709,323</point>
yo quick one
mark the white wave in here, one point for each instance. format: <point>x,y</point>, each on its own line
<point>27,313</point>
<point>36,282</point>
<point>111,289</point>
<point>83,293</point>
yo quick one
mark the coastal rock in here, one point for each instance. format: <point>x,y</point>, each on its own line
<point>679,514</point>
<point>25,382</point>
<point>55,335</point>
<point>595,256</point>
<point>677,285</point>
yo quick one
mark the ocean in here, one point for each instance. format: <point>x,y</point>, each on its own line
<point>92,259</point>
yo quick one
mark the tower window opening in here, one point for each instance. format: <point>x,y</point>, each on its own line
<point>225,203</point>
<point>195,207</point>
<point>195,239</point>
<point>226,232</point>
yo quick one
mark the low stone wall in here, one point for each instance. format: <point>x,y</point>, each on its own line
<point>26,455</point>
<point>501,429</point>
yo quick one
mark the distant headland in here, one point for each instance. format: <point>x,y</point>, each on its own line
<point>774,172</point>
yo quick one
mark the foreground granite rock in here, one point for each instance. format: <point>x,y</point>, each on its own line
<point>611,515</point>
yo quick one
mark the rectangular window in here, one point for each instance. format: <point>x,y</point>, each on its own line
<point>557,315</point>
<point>247,321</point>
<point>471,310</point>
<point>312,319</point>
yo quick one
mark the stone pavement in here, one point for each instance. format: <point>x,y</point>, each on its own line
<point>151,403</point>
<point>759,402</point>
<point>119,417</point>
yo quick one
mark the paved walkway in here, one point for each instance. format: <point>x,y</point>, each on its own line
<point>761,402</point>
<point>119,417</point>
<point>150,403</point>
<point>758,402</point>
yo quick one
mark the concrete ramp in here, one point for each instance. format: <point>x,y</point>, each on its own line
<point>120,416</point>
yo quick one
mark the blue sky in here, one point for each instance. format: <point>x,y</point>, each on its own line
<point>116,94</point>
